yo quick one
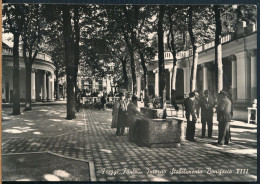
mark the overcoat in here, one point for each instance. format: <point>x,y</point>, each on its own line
<point>224,110</point>
<point>207,106</point>
<point>115,114</point>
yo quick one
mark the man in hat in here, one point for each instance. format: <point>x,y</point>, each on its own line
<point>224,118</point>
<point>189,104</point>
<point>207,105</point>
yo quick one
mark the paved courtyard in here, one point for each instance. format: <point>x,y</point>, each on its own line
<point>86,149</point>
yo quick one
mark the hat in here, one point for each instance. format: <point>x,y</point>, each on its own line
<point>121,94</point>
<point>192,94</point>
<point>206,92</point>
<point>223,93</point>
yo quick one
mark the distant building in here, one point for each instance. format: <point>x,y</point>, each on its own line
<point>42,77</point>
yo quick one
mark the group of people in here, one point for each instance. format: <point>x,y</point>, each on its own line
<point>125,114</point>
<point>207,103</point>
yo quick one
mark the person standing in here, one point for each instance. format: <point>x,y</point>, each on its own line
<point>207,105</point>
<point>132,114</point>
<point>115,114</point>
<point>224,118</point>
<point>122,117</point>
<point>189,104</point>
<point>103,102</point>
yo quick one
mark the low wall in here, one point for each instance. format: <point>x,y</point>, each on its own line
<point>152,113</point>
<point>160,132</point>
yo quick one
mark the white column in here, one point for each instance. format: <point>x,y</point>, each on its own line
<point>253,59</point>
<point>156,85</point>
<point>52,90</point>
<point>48,88</point>
<point>205,77</point>
<point>93,84</point>
<point>44,88</point>
<point>138,85</point>
<point>186,80</point>
<point>33,93</point>
<point>108,85</point>
<point>234,79</point>
<point>243,77</point>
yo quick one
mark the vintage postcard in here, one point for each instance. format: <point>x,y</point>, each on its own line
<point>131,92</point>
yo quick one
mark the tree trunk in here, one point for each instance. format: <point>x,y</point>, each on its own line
<point>132,62</point>
<point>28,79</point>
<point>76,48</point>
<point>194,69</point>
<point>145,73</point>
<point>16,76</point>
<point>195,54</point>
<point>69,61</point>
<point>123,61</point>
<point>218,50</point>
<point>162,91</point>
<point>171,45</point>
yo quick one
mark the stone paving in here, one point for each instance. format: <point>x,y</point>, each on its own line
<point>89,137</point>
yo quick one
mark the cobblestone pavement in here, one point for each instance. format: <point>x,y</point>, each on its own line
<point>90,137</point>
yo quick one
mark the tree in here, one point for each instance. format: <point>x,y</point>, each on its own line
<point>31,37</point>
<point>194,51</point>
<point>69,61</point>
<point>160,32</point>
<point>218,50</point>
<point>13,23</point>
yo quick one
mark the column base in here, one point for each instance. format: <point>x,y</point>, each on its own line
<point>49,100</point>
<point>244,101</point>
<point>33,100</point>
<point>44,100</point>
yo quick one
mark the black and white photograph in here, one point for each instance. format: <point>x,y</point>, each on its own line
<point>129,92</point>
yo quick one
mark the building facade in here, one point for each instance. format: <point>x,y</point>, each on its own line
<point>239,58</point>
<point>42,77</point>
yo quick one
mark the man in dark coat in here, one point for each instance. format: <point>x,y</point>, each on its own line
<point>223,117</point>
<point>207,105</point>
<point>190,116</point>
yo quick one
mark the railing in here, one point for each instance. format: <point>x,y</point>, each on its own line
<point>182,54</point>
<point>42,56</point>
<point>92,100</point>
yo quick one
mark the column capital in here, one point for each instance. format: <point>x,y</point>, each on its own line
<point>232,57</point>
<point>252,52</point>
<point>155,71</point>
<point>170,69</point>
<point>34,70</point>
<point>241,54</point>
<point>204,65</point>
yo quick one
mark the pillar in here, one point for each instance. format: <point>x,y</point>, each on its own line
<point>234,79</point>
<point>205,77</point>
<point>49,86</point>
<point>156,85</point>
<point>139,77</point>
<point>243,77</point>
<point>52,89</point>
<point>108,85</point>
<point>186,80</point>
<point>44,87</point>
<point>253,59</point>
<point>33,88</point>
